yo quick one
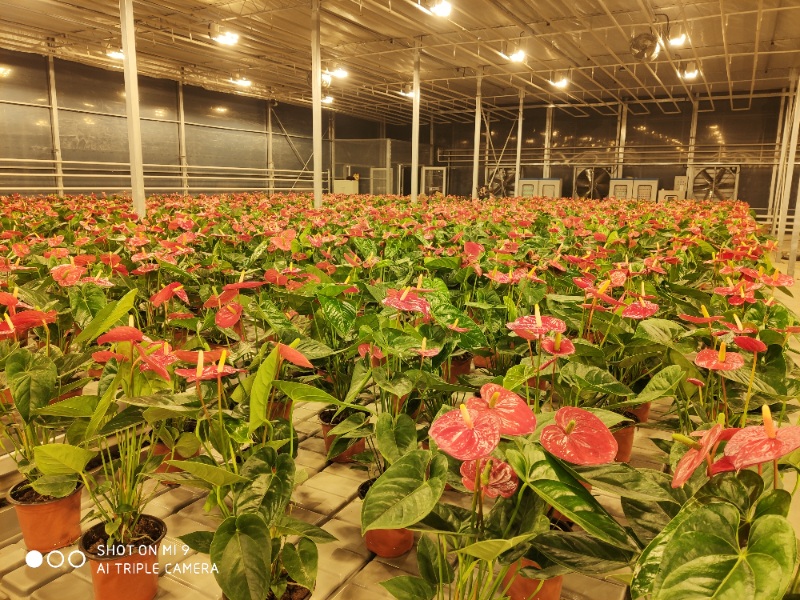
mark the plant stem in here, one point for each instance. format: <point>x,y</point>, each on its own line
<point>749,390</point>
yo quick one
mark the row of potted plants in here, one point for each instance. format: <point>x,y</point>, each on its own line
<point>203,323</point>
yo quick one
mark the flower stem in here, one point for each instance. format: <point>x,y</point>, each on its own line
<point>749,390</point>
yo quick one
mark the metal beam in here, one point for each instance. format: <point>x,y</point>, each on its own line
<point>622,133</point>
<point>415,129</point>
<point>316,96</point>
<point>182,141</point>
<point>548,133</point>
<point>477,139</point>
<point>270,156</point>
<point>518,164</point>
<point>54,130</point>
<point>132,105</point>
<point>791,153</point>
<point>692,141</point>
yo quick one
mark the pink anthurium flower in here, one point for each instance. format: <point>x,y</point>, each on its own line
<point>531,327</point>
<point>192,357</point>
<point>642,309</point>
<point>579,437</point>
<point>762,443</point>
<point>32,318</point>
<point>67,275</point>
<point>497,478</point>
<point>123,333</point>
<point>208,373</point>
<point>719,360</point>
<point>424,351</point>
<point>696,455</point>
<point>466,434</point>
<point>558,346</point>
<point>293,356</point>
<point>228,315</point>
<point>749,344</point>
<point>513,414</point>
<point>103,356</point>
<point>169,292</point>
<point>157,361</point>
<point>406,300</point>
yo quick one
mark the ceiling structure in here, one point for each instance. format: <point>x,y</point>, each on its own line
<point>739,47</point>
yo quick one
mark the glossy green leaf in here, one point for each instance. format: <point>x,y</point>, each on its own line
<point>107,317</point>
<point>291,526</point>
<point>395,436</point>
<point>57,486</point>
<point>622,480</point>
<point>61,459</point>
<point>447,314</point>
<point>407,587</point>
<point>301,561</point>
<point>85,302</point>
<point>774,536</point>
<point>662,385</point>
<point>302,392</point>
<point>490,550</point>
<point>405,493</point>
<point>269,477</point>
<point>242,552</point>
<point>32,379</point>
<point>338,314</point>
<point>79,406</point>
<point>262,388</point>
<point>594,378</point>
<point>199,541</point>
<point>582,553</point>
<point>719,577</point>
<point>208,473</point>
<point>432,561</point>
<point>773,502</point>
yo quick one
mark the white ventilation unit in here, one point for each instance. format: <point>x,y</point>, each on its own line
<point>714,182</point>
<point>671,195</point>
<point>633,189</point>
<point>545,188</point>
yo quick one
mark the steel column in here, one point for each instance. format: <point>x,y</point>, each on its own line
<point>787,180</point>
<point>415,129</point>
<point>548,133</point>
<point>477,139</point>
<point>182,141</point>
<point>518,163</point>
<point>132,105</point>
<point>316,98</point>
<point>692,142</point>
<point>54,129</point>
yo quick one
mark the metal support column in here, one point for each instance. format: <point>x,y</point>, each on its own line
<point>690,158</point>
<point>182,141</point>
<point>518,164</point>
<point>54,130</point>
<point>791,105</point>
<point>785,197</point>
<point>332,140</point>
<point>415,129</point>
<point>132,105</point>
<point>477,139</point>
<point>776,165</point>
<point>270,155</point>
<point>316,97</point>
<point>622,132</point>
<point>548,133</point>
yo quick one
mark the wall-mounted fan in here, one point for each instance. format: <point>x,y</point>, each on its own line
<point>645,46</point>
<point>715,183</point>
<point>500,181</point>
<point>592,182</point>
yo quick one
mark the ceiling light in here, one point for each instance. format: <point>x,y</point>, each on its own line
<point>5,71</point>
<point>241,81</point>
<point>677,40</point>
<point>560,81</point>
<point>339,73</point>
<point>220,109</point>
<point>327,100</point>
<point>407,91</point>
<point>115,54</point>
<point>327,78</point>
<point>438,8</point>
<point>222,36</point>
<point>517,56</point>
<point>691,71</point>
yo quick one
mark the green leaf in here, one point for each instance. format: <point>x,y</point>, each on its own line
<point>594,378</point>
<point>395,436</point>
<point>274,316</point>
<point>79,406</point>
<point>300,562</point>
<point>774,536</point>
<point>199,541</point>
<point>433,564</point>
<point>107,317</point>
<point>85,301</point>
<point>773,502</point>
<point>446,314</point>
<point>242,552</point>
<point>517,376</point>
<point>662,385</point>
<point>302,392</point>
<point>722,577</point>
<point>623,480</point>
<point>269,477</point>
<point>407,587</point>
<point>32,379</point>
<point>490,550</point>
<point>262,388</point>
<point>57,486</point>
<point>209,473</point>
<point>292,526</point>
<point>340,315</point>
<point>582,553</point>
<point>403,495</point>
<point>660,331</point>
<point>61,459</point>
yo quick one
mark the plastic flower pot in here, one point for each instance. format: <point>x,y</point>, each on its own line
<point>69,394</point>
<point>524,588</point>
<point>129,572</point>
<point>163,450</point>
<point>485,362</point>
<point>326,418</point>
<point>386,543</point>
<point>625,436</point>
<point>280,409</point>
<point>460,365</point>
<point>50,524</point>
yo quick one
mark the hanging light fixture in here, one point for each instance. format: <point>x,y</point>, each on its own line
<point>115,53</point>
<point>516,54</point>
<point>437,8</point>
<point>327,78</point>
<point>222,36</point>
<point>690,71</point>
<point>327,100</point>
<point>241,81</point>
<point>560,81</point>
<point>677,38</point>
<point>339,72</point>
<point>407,91</point>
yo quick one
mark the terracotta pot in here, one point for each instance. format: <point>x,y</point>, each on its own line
<point>485,362</point>
<point>624,439</point>
<point>70,394</point>
<point>523,588</point>
<point>163,450</point>
<point>346,456</point>
<point>48,525</point>
<point>5,396</point>
<point>641,412</point>
<point>458,366</point>
<point>132,576</point>
<point>280,410</point>
<point>389,543</point>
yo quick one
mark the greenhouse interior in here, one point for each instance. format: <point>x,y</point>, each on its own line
<point>412,299</point>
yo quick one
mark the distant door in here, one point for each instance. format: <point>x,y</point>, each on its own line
<point>403,180</point>
<point>434,180</point>
<point>380,181</point>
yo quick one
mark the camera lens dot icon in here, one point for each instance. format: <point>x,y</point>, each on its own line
<point>34,559</point>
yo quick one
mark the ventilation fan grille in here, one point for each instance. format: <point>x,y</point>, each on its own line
<point>715,183</point>
<point>593,182</point>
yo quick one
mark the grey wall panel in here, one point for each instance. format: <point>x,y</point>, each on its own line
<point>759,125</point>
<point>205,107</point>
<point>595,131</point>
<point>160,143</point>
<point>353,128</point>
<point>25,132</point>
<point>225,148</point>
<point>658,129</point>
<point>87,88</point>
<point>297,119</point>
<point>158,99</point>
<point>23,78</point>
<point>90,137</point>
<point>754,185</point>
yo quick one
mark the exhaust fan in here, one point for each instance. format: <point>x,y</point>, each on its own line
<point>645,47</point>
<point>592,182</point>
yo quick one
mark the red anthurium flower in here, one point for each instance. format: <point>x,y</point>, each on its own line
<point>274,277</point>
<point>696,382</point>
<point>466,434</point>
<point>244,285</point>
<point>103,356</point>
<point>718,361</point>
<point>32,318</point>
<point>371,349</point>
<point>640,310</point>
<point>700,320</point>
<point>208,373</point>
<point>98,281</point>
<point>168,292</point>
<point>696,455</point>
<point>762,443</point>
<point>723,465</point>
<point>123,333</point>
<point>67,275</point>
<point>9,300</point>
<point>778,279</point>
<point>220,300</point>
<point>406,300</point>
<point>531,327</point>
<point>513,414</point>
<point>228,315</point>
<point>157,362</point>
<point>497,478</point>
<point>454,327</point>
<point>192,357</point>
<point>472,250</point>
<point>283,241</point>
<point>557,346</point>
<point>424,351</point>
<point>749,344</point>
<point>579,437</point>
<point>617,278</point>
<point>294,356</point>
